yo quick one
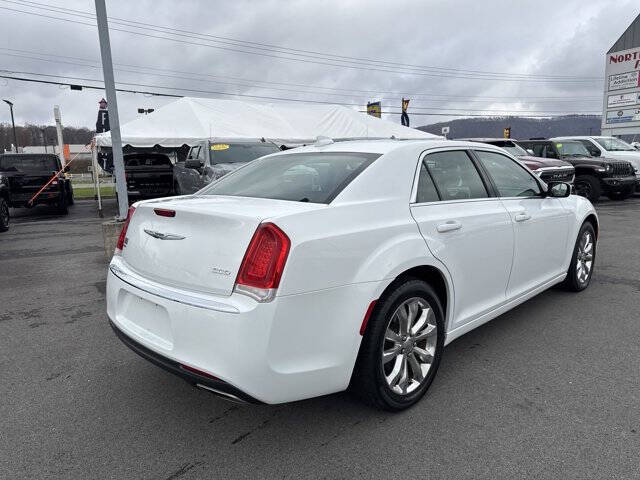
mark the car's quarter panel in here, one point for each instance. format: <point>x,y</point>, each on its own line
<point>295,347</point>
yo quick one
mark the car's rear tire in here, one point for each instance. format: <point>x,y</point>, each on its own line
<point>623,195</point>
<point>70,199</point>
<point>582,261</point>
<point>176,189</point>
<point>62,207</point>
<point>588,186</point>
<point>401,348</point>
<point>4,215</point>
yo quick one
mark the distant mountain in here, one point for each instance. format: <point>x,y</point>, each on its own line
<point>521,127</point>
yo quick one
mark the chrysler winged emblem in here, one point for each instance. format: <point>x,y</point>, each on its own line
<point>163,236</point>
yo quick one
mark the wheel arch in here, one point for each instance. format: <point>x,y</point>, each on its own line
<point>436,276</point>
<point>593,219</point>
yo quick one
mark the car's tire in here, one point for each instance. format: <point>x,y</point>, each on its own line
<point>588,186</point>
<point>4,215</point>
<point>70,199</point>
<point>62,207</point>
<point>176,189</point>
<point>623,195</point>
<point>582,260</point>
<point>411,355</point>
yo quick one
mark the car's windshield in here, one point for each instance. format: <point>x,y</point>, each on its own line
<point>613,144</point>
<point>240,152</point>
<point>28,163</point>
<point>575,149</point>
<point>511,147</point>
<point>301,177</point>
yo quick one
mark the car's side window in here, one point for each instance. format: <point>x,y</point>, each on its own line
<point>455,176</point>
<point>591,148</point>
<point>549,152</point>
<point>426,191</point>
<point>511,179</point>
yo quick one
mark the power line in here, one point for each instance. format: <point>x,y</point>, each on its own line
<point>260,97</point>
<point>270,47</point>
<point>359,91</point>
<point>237,42</point>
<point>246,85</point>
<point>579,80</point>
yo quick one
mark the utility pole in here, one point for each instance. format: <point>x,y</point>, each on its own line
<point>58,119</point>
<point>114,122</point>
<point>13,123</point>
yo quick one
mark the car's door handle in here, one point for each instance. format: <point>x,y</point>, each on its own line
<point>449,226</point>
<point>522,217</point>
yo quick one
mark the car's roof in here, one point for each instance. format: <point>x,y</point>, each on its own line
<point>487,139</point>
<point>381,146</point>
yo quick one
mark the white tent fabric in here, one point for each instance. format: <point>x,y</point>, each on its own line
<point>189,120</point>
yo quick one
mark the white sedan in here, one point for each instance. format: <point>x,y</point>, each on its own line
<point>341,265</point>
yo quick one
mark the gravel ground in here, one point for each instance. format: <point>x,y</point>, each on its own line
<point>548,390</point>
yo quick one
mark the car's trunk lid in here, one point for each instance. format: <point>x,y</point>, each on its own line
<point>202,246</point>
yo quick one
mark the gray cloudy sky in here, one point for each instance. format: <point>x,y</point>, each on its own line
<point>539,38</point>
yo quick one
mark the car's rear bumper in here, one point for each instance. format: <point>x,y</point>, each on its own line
<point>206,382</point>
<point>295,347</point>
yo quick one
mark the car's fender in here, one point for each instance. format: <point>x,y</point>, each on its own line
<point>581,209</point>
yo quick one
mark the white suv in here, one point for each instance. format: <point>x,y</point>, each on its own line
<point>610,147</point>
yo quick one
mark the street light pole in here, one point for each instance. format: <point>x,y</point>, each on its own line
<point>13,123</point>
<point>114,122</point>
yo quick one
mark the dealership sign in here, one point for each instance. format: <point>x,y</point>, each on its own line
<point>623,100</point>
<point>621,107</point>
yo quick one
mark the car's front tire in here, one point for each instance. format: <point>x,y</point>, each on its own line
<point>4,215</point>
<point>582,261</point>
<point>402,346</point>
<point>588,186</point>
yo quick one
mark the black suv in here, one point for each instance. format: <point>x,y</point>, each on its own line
<point>594,176</point>
<point>22,175</point>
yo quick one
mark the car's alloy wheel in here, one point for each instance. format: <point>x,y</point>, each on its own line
<point>402,346</point>
<point>584,258</point>
<point>409,345</point>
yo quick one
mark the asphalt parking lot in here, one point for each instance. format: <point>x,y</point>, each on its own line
<point>548,390</point>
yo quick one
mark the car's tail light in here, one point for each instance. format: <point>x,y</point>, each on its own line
<point>163,212</point>
<point>263,263</point>
<point>123,232</point>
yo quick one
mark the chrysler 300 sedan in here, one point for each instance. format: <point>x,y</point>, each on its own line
<point>342,265</point>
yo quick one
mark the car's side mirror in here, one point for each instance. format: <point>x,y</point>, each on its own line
<point>595,153</point>
<point>531,152</point>
<point>559,190</point>
<point>193,163</point>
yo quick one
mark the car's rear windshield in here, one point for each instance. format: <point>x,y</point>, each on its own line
<point>510,147</point>
<point>240,152</point>
<point>28,163</point>
<point>146,160</point>
<point>299,177</point>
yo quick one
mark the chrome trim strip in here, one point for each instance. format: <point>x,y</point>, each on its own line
<point>225,395</point>
<point>169,293</point>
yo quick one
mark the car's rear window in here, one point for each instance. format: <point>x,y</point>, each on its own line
<point>303,177</point>
<point>28,163</point>
<point>146,160</point>
<point>240,152</point>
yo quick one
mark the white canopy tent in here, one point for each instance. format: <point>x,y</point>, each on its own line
<point>189,120</point>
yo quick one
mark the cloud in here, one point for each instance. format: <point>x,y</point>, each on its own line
<point>543,37</point>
